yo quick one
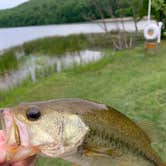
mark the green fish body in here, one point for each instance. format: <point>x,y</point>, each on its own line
<point>83,132</point>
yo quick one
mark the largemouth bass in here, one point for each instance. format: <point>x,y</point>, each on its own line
<point>81,131</point>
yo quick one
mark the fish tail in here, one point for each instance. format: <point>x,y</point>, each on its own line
<point>154,157</point>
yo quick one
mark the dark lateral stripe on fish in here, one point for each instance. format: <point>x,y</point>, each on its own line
<point>115,143</point>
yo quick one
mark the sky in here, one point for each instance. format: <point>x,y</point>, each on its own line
<point>4,4</point>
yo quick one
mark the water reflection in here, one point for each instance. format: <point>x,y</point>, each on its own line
<point>35,66</point>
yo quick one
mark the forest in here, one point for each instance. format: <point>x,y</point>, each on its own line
<point>44,12</point>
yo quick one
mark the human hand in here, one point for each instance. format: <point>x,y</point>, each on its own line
<point>2,147</point>
<point>28,162</point>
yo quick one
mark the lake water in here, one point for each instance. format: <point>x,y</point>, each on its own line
<point>10,37</point>
<point>33,67</point>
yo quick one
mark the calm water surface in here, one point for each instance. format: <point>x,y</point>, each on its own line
<point>10,37</point>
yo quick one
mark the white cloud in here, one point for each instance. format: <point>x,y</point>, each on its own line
<point>4,4</point>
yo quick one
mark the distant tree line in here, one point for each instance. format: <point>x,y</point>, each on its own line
<point>42,12</point>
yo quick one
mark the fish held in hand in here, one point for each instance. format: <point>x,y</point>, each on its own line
<point>73,129</point>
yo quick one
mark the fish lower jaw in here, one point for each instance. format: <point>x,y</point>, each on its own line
<point>13,139</point>
<point>12,133</point>
<point>17,139</point>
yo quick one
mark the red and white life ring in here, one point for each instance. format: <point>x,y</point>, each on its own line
<point>151,31</point>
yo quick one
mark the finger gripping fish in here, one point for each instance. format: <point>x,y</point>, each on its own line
<point>77,130</point>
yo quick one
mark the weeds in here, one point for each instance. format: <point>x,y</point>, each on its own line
<point>8,62</point>
<point>60,45</point>
<point>56,46</point>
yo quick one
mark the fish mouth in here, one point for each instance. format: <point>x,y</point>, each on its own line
<point>13,138</point>
<point>11,130</point>
<point>17,140</point>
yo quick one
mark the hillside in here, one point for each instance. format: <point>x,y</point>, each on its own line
<point>41,12</point>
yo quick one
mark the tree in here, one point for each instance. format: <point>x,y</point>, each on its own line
<point>100,10</point>
<point>159,10</point>
<point>109,9</point>
<point>131,8</point>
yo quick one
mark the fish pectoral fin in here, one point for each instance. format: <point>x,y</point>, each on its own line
<point>101,152</point>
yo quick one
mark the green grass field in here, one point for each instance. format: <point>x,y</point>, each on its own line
<point>130,81</point>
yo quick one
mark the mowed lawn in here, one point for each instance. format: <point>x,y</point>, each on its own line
<point>130,81</point>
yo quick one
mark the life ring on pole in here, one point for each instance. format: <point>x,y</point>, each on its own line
<point>151,31</point>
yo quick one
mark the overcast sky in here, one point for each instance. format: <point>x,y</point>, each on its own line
<point>4,4</point>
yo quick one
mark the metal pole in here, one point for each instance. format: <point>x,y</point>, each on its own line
<point>159,36</point>
<point>149,11</point>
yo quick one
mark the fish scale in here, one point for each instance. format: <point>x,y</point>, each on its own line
<point>123,132</point>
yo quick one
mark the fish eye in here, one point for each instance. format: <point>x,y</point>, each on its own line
<point>33,114</point>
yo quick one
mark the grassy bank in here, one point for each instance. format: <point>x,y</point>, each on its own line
<point>53,46</point>
<point>59,46</point>
<point>129,80</point>
<point>8,62</point>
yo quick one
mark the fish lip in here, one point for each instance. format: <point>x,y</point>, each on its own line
<point>17,136</point>
<point>15,144</point>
